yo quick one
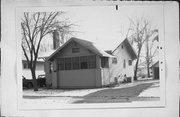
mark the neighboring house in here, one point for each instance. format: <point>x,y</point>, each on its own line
<point>155,70</point>
<point>26,71</point>
<point>81,64</point>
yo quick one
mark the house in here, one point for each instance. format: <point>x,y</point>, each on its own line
<point>26,71</point>
<point>155,70</point>
<point>82,64</point>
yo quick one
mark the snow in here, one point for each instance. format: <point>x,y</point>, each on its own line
<point>62,93</point>
<point>153,91</point>
<point>54,96</point>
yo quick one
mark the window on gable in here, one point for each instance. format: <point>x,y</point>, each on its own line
<point>83,62</point>
<point>130,62</point>
<point>122,46</point>
<point>114,60</point>
<point>91,61</point>
<point>104,62</point>
<point>124,64</point>
<point>75,50</point>
<point>75,63</point>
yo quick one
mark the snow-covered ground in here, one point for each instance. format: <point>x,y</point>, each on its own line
<point>131,91</point>
<point>58,92</point>
<point>153,91</point>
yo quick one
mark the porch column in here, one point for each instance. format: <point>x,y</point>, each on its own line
<point>98,74</point>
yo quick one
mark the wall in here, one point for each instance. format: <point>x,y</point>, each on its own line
<point>77,78</point>
<point>117,70</point>
<point>105,74</point>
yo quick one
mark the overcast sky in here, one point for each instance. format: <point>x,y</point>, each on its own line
<point>107,26</point>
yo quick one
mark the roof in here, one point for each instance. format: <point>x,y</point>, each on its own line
<point>24,58</point>
<point>128,47</point>
<point>46,54</point>
<point>87,44</point>
<point>156,64</point>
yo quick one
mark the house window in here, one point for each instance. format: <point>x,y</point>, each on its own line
<point>114,60</point>
<point>124,64</point>
<point>130,62</point>
<point>104,62</point>
<point>75,63</point>
<point>61,64</point>
<point>83,62</point>
<point>75,50</point>
<point>67,62</point>
<point>25,65</point>
<point>122,46</point>
<point>91,61</point>
<point>51,67</point>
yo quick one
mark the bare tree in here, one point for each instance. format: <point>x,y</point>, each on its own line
<point>138,36</point>
<point>35,26</point>
<point>150,52</point>
<point>45,47</point>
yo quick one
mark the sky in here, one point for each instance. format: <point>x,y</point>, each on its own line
<point>106,26</point>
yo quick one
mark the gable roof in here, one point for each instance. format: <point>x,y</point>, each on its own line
<point>155,64</point>
<point>86,44</point>
<point>128,47</point>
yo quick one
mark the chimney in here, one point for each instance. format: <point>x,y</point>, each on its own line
<point>55,39</point>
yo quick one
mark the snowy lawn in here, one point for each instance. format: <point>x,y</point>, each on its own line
<point>137,91</point>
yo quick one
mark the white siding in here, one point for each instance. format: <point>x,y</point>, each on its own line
<point>118,70</point>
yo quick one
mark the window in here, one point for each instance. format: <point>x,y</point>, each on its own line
<point>67,62</point>
<point>114,60</point>
<point>130,62</point>
<point>104,62</point>
<point>91,61</point>
<point>25,65</point>
<point>83,62</point>
<point>124,64</point>
<point>75,63</point>
<point>75,50</point>
<point>51,67</point>
<point>61,64</point>
<point>122,46</point>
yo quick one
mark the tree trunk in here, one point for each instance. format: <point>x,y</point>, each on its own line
<point>136,66</point>
<point>148,72</point>
<point>34,80</point>
<point>147,56</point>
<point>135,71</point>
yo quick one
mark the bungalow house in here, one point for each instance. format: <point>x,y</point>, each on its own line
<point>82,64</point>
